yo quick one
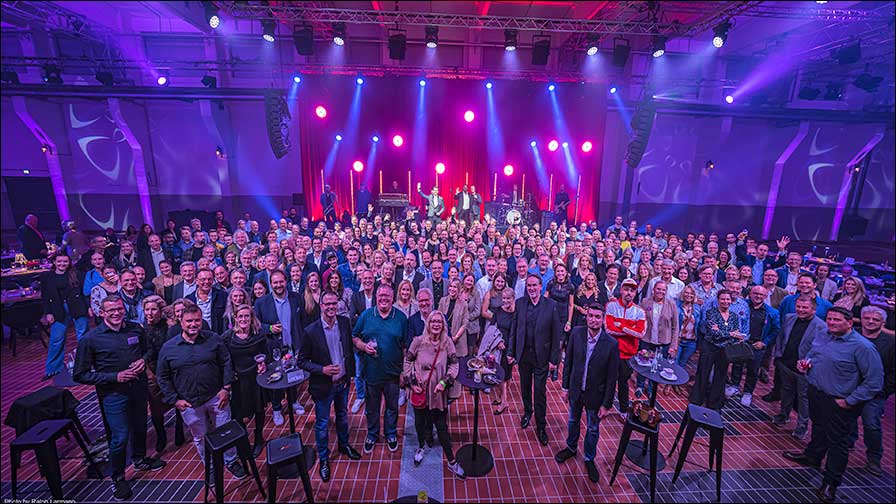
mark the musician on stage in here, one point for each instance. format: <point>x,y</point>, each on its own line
<point>328,202</point>
<point>475,201</point>
<point>363,200</point>
<point>435,204</point>
<point>561,203</point>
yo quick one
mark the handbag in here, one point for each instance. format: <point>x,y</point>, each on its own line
<point>739,352</point>
<point>418,400</point>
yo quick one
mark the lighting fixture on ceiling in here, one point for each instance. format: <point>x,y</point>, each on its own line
<point>720,33</point>
<point>398,44</point>
<point>541,49</point>
<point>105,77</point>
<point>303,38</point>
<point>432,37</point>
<point>52,74</point>
<point>593,44</point>
<point>211,15</point>
<point>339,33</point>
<point>267,30</point>
<point>510,39</point>
<point>9,76</point>
<point>210,81</point>
<point>658,46</point>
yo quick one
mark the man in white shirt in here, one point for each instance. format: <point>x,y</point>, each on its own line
<point>484,284</point>
<point>674,286</point>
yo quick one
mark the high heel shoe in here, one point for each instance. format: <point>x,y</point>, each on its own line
<point>501,409</point>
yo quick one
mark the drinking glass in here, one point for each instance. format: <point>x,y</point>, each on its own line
<point>275,353</point>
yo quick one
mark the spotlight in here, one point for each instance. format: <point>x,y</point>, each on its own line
<point>729,99</point>
<point>613,89</point>
<point>553,145</point>
<point>432,37</point>
<point>105,78</point>
<point>358,166</point>
<point>219,152</point>
<point>320,111</point>
<point>211,14</point>
<point>508,170</point>
<point>533,143</point>
<point>658,46</point>
<point>297,78</point>
<point>360,80</point>
<point>9,76</point>
<point>397,140</point>
<point>44,148</point>
<point>210,81</point>
<point>338,137</point>
<point>551,87</point>
<point>593,44</point>
<point>440,167</point>
<point>303,38</point>
<point>720,34</point>
<point>709,165</point>
<point>808,92</point>
<point>398,44</point>
<point>488,84</point>
<point>375,138</point>
<point>541,49</point>
<point>821,2</point>
<point>510,37</point>
<point>339,34</point>
<point>565,145</point>
<point>52,74</point>
<point>267,30</point>
<point>162,80</point>
<point>422,82</point>
<point>587,146</point>
<point>469,116</point>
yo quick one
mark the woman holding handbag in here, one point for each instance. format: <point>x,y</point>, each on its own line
<point>494,341</point>
<point>721,328</point>
<point>430,368</point>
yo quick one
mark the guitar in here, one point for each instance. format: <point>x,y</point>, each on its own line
<point>561,207</point>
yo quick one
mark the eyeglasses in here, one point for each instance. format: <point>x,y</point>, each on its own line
<point>114,310</point>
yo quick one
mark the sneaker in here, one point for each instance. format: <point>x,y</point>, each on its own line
<point>356,406</point>
<point>779,421</point>
<point>747,399</point>
<point>392,443</point>
<point>368,445</point>
<point>456,469</point>
<point>763,375</point>
<point>149,464</point>
<point>402,397</point>
<point>121,489</point>
<point>800,434</point>
<point>236,469</point>
<point>874,468</point>
<point>418,456</point>
<point>639,392</point>
<point>297,408</point>
<point>278,418</point>
<point>730,390</point>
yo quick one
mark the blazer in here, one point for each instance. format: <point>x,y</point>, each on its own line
<point>144,258</point>
<point>817,327</point>
<point>459,318</point>
<point>778,295</point>
<point>668,330</point>
<point>698,319</point>
<point>33,246</point>
<point>358,305</point>
<point>547,331</point>
<point>782,275</point>
<point>418,278</point>
<point>603,297</point>
<point>603,369</point>
<point>435,205</point>
<point>179,289</point>
<point>266,311</point>
<point>219,304</point>
<point>55,305</point>
<point>314,354</point>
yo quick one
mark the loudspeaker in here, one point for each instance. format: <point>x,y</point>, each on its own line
<point>541,48</point>
<point>620,54</point>
<point>852,226</point>
<point>546,219</point>
<point>398,44</point>
<point>303,38</point>
<point>642,124</point>
<point>277,119</point>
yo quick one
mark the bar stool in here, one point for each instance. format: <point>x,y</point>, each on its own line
<point>42,439</point>
<point>225,437</point>
<point>282,452</point>
<point>651,440</point>
<point>699,417</point>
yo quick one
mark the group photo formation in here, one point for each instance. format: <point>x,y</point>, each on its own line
<point>468,251</point>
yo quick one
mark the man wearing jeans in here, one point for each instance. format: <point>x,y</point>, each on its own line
<point>195,373</point>
<point>764,326</point>
<point>381,334</point>
<point>111,357</point>
<point>589,382</point>
<point>326,352</point>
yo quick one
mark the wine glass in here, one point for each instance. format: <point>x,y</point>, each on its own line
<point>275,354</point>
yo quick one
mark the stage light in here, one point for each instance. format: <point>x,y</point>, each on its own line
<point>867,82</point>
<point>720,33</point>
<point>210,81</point>
<point>358,166</point>
<point>432,37</point>
<point>833,91</point>
<point>297,78</point>
<point>338,137</point>
<point>375,138</point>
<point>658,46</point>
<point>397,140</point>
<point>360,80</point>
<point>398,44</point>
<point>162,80</point>
<point>821,2</point>
<point>339,34</point>
<point>469,116</point>
<point>44,148</point>
<point>9,76</point>
<point>303,39</point>
<point>510,37</point>
<point>267,30</point>
<point>709,165</point>
<point>533,143</point>
<point>26,172</point>
<point>508,170</point>
<point>587,146</point>
<point>52,74</point>
<point>219,152</point>
<point>541,49</point>
<point>422,82</point>
<point>320,111</point>
<point>553,145</point>
<point>593,44</point>
<point>565,145</point>
<point>729,99</point>
<point>488,84</point>
<point>440,167</point>
<point>551,87</point>
<point>104,78</point>
<point>211,14</point>
<point>613,89</point>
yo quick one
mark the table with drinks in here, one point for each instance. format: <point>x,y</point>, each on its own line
<point>477,373</point>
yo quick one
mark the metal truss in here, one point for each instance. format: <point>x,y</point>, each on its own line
<point>785,10</point>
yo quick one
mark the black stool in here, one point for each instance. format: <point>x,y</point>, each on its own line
<point>699,417</point>
<point>217,442</point>
<point>282,452</point>
<point>651,442</point>
<point>42,439</point>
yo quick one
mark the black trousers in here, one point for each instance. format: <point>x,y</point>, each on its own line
<point>713,363</point>
<point>625,372</point>
<point>831,426</point>
<point>532,374</point>
<point>424,419</point>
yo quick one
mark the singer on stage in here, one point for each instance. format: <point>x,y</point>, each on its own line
<point>435,205</point>
<point>328,202</point>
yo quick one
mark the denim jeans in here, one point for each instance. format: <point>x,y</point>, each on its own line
<point>663,350</point>
<point>338,399</point>
<point>686,350</point>
<point>592,434</point>
<point>752,366</point>
<point>56,347</point>
<point>126,414</point>
<point>376,393</point>
<point>871,427</point>
<point>360,384</point>
<point>204,418</point>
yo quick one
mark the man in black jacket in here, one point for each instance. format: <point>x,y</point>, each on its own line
<point>327,353</point>
<point>150,259</point>
<point>32,240</point>
<point>63,303</point>
<point>589,380</point>
<point>211,301</point>
<point>535,344</point>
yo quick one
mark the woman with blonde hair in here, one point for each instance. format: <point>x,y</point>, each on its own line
<point>244,341</point>
<point>309,309</point>
<point>235,297</point>
<point>853,298</point>
<point>457,311</point>
<point>405,300</point>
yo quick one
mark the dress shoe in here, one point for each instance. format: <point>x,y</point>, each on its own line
<point>324,470</point>
<point>542,437</point>
<point>564,455</point>
<point>257,449</point>
<point>350,452</point>
<point>827,493</point>
<point>802,459</point>
<point>874,468</point>
<point>593,473</point>
<point>524,421</point>
<point>771,396</point>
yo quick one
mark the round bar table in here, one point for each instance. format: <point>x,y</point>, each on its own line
<point>637,450</point>
<point>289,381</point>
<point>474,458</point>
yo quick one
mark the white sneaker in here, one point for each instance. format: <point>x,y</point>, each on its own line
<point>356,406</point>
<point>418,456</point>
<point>747,399</point>
<point>730,390</point>
<point>457,470</point>
<point>297,408</point>
<point>402,398</point>
<point>278,418</point>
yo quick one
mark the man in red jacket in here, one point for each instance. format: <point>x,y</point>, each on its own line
<point>626,322</point>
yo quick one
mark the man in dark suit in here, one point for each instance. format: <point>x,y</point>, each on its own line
<point>535,344</point>
<point>270,265</point>
<point>327,353</point>
<point>150,259</point>
<point>188,285</point>
<point>589,381</point>
<point>210,300</point>
<point>609,288</point>
<point>409,272</point>
<point>328,203</point>
<point>32,240</point>
<point>475,201</point>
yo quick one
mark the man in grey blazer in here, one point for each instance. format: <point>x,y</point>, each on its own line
<point>435,205</point>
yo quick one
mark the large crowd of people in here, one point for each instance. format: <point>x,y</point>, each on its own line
<point>380,313</point>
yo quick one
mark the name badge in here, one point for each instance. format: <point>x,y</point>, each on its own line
<point>133,340</point>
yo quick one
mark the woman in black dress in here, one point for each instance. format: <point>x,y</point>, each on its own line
<point>503,317</point>
<point>586,295</point>
<point>244,342</point>
<point>561,290</point>
<point>156,329</point>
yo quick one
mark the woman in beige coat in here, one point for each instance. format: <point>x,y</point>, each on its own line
<point>662,331</point>
<point>457,311</point>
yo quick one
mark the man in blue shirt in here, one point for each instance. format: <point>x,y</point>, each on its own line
<point>844,372</point>
<point>805,286</point>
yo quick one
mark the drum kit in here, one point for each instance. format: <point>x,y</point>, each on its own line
<point>515,213</point>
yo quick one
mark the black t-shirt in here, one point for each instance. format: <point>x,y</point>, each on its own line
<point>791,351</point>
<point>757,322</point>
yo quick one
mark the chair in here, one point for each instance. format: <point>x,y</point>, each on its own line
<point>285,451</point>
<point>651,443</point>
<point>23,317</point>
<point>225,437</point>
<point>694,418</point>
